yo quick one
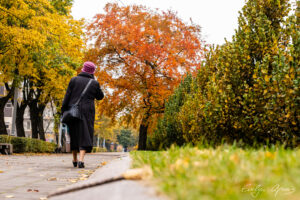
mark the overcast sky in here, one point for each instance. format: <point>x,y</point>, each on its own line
<point>218,18</point>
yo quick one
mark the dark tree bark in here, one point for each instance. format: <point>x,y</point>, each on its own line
<point>143,132</point>
<point>20,119</point>
<point>27,95</point>
<point>143,137</point>
<point>40,124</point>
<point>34,118</point>
<point>3,101</point>
<point>3,130</point>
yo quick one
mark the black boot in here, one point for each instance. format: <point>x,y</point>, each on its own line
<point>75,164</point>
<point>80,164</point>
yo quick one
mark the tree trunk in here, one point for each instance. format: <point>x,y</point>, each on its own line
<point>37,119</point>
<point>3,102</point>
<point>143,132</point>
<point>41,129</point>
<point>34,118</point>
<point>41,123</point>
<point>3,130</point>
<point>20,119</point>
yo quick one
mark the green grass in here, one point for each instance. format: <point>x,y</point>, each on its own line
<point>226,172</point>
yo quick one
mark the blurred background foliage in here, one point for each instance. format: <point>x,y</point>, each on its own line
<point>247,89</point>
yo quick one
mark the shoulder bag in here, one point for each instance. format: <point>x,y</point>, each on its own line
<point>73,113</point>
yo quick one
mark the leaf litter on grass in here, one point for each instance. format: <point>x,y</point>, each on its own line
<point>224,173</point>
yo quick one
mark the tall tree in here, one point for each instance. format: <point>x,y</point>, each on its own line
<point>105,128</point>
<point>54,65</point>
<point>21,107</point>
<point>126,138</point>
<point>62,6</point>
<point>41,45</point>
<point>143,54</point>
<point>17,38</point>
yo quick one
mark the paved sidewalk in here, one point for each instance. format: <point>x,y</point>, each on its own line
<point>119,190</point>
<point>25,177</point>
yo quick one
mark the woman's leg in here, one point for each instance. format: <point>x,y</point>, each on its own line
<point>74,155</point>
<point>81,155</point>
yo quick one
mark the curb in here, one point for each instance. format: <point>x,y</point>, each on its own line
<point>120,190</point>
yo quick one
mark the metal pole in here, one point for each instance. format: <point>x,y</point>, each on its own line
<point>13,123</point>
<point>59,134</point>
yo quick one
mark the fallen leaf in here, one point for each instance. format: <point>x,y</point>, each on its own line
<point>138,173</point>
<point>1,171</point>
<point>52,179</point>
<point>29,190</point>
<point>73,180</point>
<point>235,158</point>
<point>9,196</point>
<point>43,198</point>
<point>85,175</point>
<point>207,178</point>
<point>36,190</point>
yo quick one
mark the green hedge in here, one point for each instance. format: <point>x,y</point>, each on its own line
<point>247,90</point>
<point>22,145</point>
<point>98,149</point>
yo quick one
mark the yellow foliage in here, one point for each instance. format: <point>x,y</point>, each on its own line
<point>40,45</point>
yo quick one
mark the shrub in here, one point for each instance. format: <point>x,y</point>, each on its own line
<point>248,89</point>
<point>168,131</point>
<point>99,149</point>
<point>22,145</point>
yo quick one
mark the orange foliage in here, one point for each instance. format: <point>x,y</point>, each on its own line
<point>143,55</point>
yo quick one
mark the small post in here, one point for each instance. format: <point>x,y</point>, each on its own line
<point>60,134</point>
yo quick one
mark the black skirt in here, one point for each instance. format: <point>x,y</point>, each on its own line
<point>80,139</point>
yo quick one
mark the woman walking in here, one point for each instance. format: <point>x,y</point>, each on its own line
<point>82,131</point>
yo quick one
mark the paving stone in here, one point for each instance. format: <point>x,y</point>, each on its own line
<point>23,172</point>
<point>119,190</point>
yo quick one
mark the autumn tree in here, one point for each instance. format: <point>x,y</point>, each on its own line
<point>42,47</point>
<point>105,128</point>
<point>142,55</point>
<point>17,39</point>
<point>55,65</point>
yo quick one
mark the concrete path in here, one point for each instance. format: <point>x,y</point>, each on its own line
<point>25,177</point>
<point>120,190</point>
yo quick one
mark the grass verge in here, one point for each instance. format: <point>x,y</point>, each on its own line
<point>226,172</point>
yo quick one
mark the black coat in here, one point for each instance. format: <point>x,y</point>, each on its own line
<point>82,131</point>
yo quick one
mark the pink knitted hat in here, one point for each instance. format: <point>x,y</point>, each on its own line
<point>89,67</point>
